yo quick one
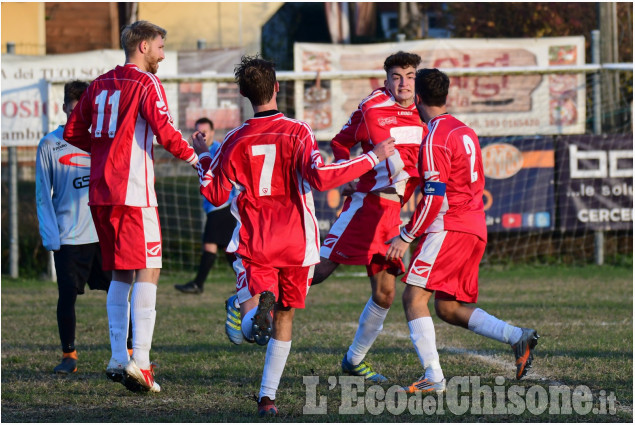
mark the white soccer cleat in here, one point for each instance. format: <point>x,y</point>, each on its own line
<point>137,379</point>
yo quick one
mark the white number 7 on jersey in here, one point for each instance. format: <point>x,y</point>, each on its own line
<point>269,151</point>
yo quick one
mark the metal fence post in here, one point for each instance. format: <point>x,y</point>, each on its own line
<point>597,129</point>
<point>13,212</point>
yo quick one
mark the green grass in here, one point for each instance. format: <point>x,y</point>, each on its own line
<point>584,316</point>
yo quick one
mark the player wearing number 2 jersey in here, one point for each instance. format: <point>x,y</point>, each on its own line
<point>116,120</point>
<point>274,162</point>
<point>451,222</point>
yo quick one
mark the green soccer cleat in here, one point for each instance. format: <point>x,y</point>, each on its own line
<point>362,369</point>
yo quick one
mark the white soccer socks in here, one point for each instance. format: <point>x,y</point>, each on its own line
<point>371,322</point>
<point>144,299</point>
<point>275,360</point>
<point>425,342</point>
<point>247,323</point>
<point>118,308</point>
<point>489,326</point>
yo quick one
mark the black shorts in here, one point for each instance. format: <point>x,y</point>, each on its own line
<point>77,265</point>
<point>219,227</point>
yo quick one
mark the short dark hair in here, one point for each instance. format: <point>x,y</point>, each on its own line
<point>403,60</point>
<point>432,86</point>
<point>204,120</point>
<point>73,90</point>
<point>137,32</point>
<point>256,79</point>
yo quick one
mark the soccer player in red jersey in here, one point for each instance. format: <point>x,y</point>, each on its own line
<point>116,121</point>
<point>451,222</point>
<point>371,216</point>
<point>274,162</point>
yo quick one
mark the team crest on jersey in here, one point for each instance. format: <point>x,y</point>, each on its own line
<point>387,121</point>
<point>153,249</point>
<point>329,241</point>
<point>421,268</point>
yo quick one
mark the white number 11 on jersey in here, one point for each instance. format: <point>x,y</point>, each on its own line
<point>113,101</point>
<point>269,151</point>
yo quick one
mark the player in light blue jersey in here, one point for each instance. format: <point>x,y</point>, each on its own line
<point>66,225</point>
<point>220,223</point>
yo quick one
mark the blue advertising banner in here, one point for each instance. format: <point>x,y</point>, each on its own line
<point>595,182</point>
<point>519,183</point>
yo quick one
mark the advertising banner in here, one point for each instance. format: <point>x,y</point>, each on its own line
<point>519,184</point>
<point>595,182</point>
<point>27,112</point>
<point>496,105</point>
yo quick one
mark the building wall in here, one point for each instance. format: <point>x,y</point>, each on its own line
<point>221,25</point>
<point>23,24</point>
<point>73,27</point>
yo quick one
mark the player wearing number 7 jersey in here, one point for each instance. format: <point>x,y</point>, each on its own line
<point>116,121</point>
<point>274,162</point>
<point>451,222</point>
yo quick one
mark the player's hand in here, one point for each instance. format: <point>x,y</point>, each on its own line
<point>397,248</point>
<point>385,149</point>
<point>349,188</point>
<point>198,142</point>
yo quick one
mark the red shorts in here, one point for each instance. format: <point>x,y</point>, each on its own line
<point>447,262</point>
<point>290,285</point>
<point>129,237</point>
<point>360,233</point>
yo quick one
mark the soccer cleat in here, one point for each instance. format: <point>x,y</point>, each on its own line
<point>190,288</point>
<point>362,369</point>
<point>261,328</point>
<point>115,371</point>
<point>523,350</point>
<point>68,364</point>
<point>424,385</point>
<point>266,407</point>
<point>233,322</point>
<point>137,379</point>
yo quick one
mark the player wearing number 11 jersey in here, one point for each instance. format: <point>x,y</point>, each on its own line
<point>116,121</point>
<point>450,219</point>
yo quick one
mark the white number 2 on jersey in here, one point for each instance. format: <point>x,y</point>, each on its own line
<point>269,151</point>
<point>113,101</point>
<point>470,149</point>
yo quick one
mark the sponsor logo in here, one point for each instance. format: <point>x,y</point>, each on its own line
<point>589,164</point>
<point>81,182</point>
<point>329,241</point>
<point>387,121</point>
<point>404,113</point>
<point>153,249</point>
<point>81,160</point>
<point>512,220</point>
<point>421,268</point>
<point>501,160</point>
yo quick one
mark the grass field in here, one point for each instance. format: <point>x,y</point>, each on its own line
<point>584,317</point>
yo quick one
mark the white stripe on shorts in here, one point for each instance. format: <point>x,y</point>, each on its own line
<point>421,266</point>
<point>341,224</point>
<point>152,237</point>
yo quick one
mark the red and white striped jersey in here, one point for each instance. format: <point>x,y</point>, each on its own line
<point>450,156</point>
<point>116,120</point>
<point>274,162</point>
<point>377,118</point>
